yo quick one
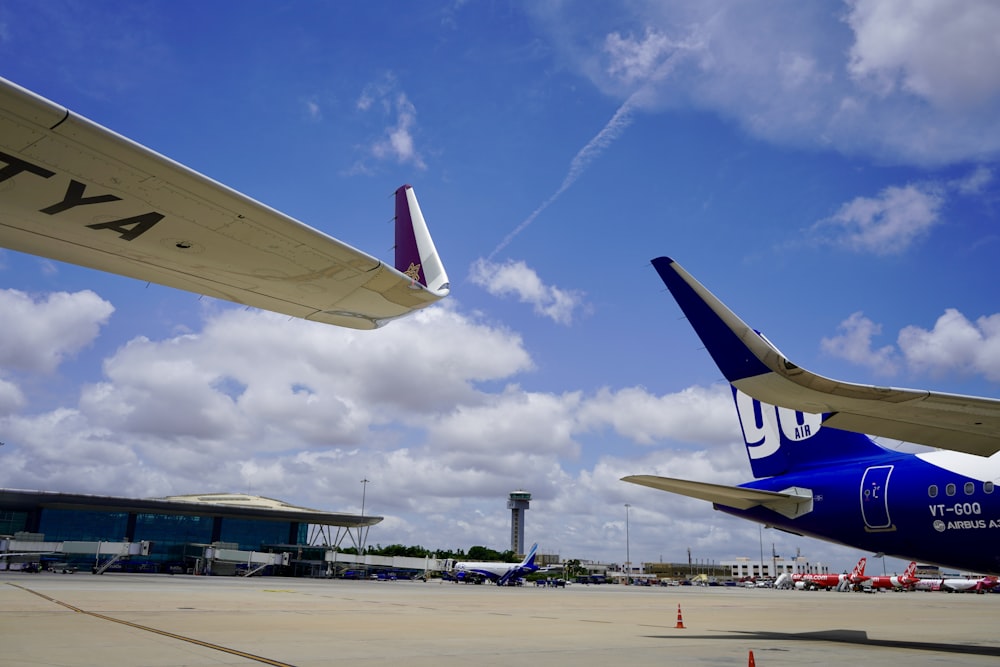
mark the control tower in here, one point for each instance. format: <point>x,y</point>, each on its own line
<point>517,502</point>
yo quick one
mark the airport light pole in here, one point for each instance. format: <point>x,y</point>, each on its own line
<point>364,489</point>
<point>363,530</point>
<point>628,556</point>
<point>881,554</point>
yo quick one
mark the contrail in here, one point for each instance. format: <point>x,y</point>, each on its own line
<point>614,128</point>
<point>621,120</point>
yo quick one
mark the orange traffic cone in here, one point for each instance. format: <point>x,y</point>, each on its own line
<point>751,663</point>
<point>680,620</point>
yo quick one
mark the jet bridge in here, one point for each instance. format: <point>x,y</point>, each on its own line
<point>255,561</point>
<point>23,550</point>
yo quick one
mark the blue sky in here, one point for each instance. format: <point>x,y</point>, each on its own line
<point>828,169</point>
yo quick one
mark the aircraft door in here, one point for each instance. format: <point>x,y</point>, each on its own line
<point>875,498</point>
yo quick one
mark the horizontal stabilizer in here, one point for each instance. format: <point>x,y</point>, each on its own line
<point>756,367</point>
<point>790,502</point>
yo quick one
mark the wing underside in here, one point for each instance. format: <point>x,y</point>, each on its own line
<point>73,191</point>
<point>791,502</point>
<point>756,367</point>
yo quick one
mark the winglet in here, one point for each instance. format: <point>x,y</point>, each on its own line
<point>416,255</point>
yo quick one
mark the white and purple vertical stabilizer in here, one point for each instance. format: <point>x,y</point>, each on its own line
<point>416,255</point>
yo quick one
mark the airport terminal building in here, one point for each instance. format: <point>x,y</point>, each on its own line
<point>175,531</point>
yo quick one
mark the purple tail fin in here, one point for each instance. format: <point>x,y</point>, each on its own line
<point>407,252</point>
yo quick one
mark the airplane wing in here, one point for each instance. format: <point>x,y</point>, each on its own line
<point>790,502</point>
<point>755,366</point>
<point>77,192</point>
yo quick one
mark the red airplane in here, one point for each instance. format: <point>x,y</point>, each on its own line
<point>907,581</point>
<point>814,581</point>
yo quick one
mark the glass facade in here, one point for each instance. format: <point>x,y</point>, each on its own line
<point>170,532</point>
<point>12,522</point>
<point>83,525</point>
<point>251,534</point>
<point>177,537</point>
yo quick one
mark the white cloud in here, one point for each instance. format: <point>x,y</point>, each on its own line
<point>514,277</point>
<point>11,398</point>
<point>396,142</point>
<point>940,51</point>
<point>695,414</point>
<point>887,224</point>
<point>637,60</point>
<point>313,110</point>
<point>975,182</point>
<point>855,345</point>
<point>302,412</point>
<point>954,344</point>
<point>38,334</point>
<point>899,81</point>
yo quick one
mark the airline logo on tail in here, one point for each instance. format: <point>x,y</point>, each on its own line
<point>780,440</point>
<point>765,426</point>
<point>858,573</point>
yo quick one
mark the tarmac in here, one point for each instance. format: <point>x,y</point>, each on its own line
<point>139,620</point>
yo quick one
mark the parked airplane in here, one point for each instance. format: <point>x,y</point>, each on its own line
<point>74,191</point>
<point>816,581</point>
<point>817,475</point>
<point>499,573</point>
<point>957,584</point>
<point>906,581</point>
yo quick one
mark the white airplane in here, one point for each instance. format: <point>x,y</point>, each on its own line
<point>74,191</point>
<point>500,573</point>
<point>956,584</point>
<point>816,472</point>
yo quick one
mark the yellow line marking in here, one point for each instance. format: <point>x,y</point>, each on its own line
<point>164,633</point>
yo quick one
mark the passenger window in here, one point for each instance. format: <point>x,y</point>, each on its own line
<point>932,490</point>
<point>950,490</point>
<point>970,488</point>
<point>987,487</point>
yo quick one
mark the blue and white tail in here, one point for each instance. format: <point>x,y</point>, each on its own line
<point>528,564</point>
<point>780,440</point>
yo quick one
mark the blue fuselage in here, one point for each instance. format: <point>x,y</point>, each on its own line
<point>902,506</point>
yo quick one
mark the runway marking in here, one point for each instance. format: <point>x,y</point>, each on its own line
<point>164,633</point>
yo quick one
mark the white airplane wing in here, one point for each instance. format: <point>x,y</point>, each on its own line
<point>77,192</point>
<point>791,502</point>
<point>756,367</point>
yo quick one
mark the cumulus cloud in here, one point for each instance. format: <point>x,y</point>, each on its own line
<point>695,414</point>
<point>898,217</point>
<point>39,333</point>
<point>933,50</point>
<point>954,344</point>
<point>855,345</point>
<point>899,82</point>
<point>284,408</point>
<point>516,278</point>
<point>11,398</point>
<point>396,142</point>
<point>887,224</point>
